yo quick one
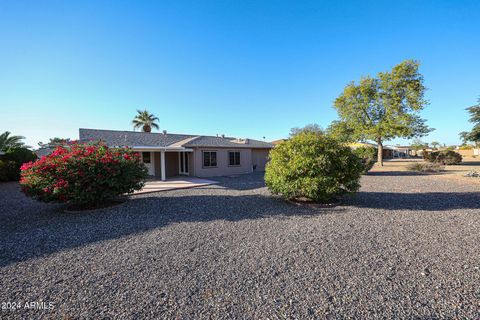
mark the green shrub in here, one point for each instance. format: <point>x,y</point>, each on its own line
<point>313,166</point>
<point>368,156</point>
<point>86,175</point>
<point>426,167</point>
<point>445,157</point>
<point>8,170</point>
<point>18,156</point>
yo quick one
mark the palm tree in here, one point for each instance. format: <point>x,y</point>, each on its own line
<point>145,120</point>
<point>7,141</point>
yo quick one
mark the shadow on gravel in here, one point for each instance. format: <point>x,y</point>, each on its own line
<point>431,201</point>
<point>247,181</point>
<point>36,230</point>
<point>403,173</point>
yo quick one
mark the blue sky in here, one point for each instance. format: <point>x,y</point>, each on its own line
<point>243,68</point>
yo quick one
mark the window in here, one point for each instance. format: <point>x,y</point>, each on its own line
<point>146,157</point>
<point>209,159</point>
<point>234,158</point>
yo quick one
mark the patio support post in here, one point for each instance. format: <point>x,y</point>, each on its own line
<point>162,164</point>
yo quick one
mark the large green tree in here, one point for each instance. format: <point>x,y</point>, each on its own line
<point>474,134</point>
<point>384,107</point>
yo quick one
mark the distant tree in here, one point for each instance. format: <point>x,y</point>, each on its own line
<point>385,107</point>
<point>8,141</point>
<point>418,145</point>
<point>145,120</point>
<point>435,144</point>
<point>474,134</point>
<point>54,142</point>
<point>312,127</point>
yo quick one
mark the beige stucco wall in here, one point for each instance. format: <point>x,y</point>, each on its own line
<point>259,158</point>
<point>248,157</point>
<point>222,169</point>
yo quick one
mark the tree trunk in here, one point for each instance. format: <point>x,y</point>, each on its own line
<point>380,153</point>
<point>147,128</point>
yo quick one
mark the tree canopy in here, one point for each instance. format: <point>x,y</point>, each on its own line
<point>384,107</point>
<point>474,134</point>
<point>145,120</point>
<point>312,127</point>
<point>54,142</point>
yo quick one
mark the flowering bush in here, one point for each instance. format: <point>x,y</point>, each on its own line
<point>83,174</point>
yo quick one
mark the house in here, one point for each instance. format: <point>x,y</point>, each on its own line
<point>167,155</point>
<point>275,142</point>
<point>389,152</point>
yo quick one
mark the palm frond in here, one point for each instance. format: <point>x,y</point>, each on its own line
<point>145,118</point>
<point>7,141</point>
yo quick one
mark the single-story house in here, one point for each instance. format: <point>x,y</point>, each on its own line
<point>167,154</point>
<point>389,152</point>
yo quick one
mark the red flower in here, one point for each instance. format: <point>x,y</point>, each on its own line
<point>26,166</point>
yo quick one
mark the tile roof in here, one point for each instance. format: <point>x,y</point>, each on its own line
<point>212,141</point>
<point>131,138</point>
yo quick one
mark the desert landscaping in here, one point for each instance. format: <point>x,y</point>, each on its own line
<point>225,250</point>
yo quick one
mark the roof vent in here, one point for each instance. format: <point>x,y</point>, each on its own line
<point>164,132</point>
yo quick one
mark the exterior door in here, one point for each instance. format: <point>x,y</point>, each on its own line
<point>147,159</point>
<point>183,163</point>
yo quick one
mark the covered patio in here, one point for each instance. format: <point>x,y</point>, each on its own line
<point>156,185</point>
<point>166,162</point>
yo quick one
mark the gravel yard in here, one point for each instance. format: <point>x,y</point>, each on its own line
<point>408,245</point>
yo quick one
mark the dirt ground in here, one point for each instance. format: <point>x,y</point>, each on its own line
<point>453,172</point>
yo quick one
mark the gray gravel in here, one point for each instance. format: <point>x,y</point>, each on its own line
<point>406,246</point>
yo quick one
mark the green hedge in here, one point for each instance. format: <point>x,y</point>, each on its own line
<point>313,166</point>
<point>11,162</point>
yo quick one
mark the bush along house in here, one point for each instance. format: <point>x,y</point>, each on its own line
<point>167,155</point>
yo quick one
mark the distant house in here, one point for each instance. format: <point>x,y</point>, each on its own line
<point>166,154</point>
<point>389,152</point>
<point>275,142</point>
<point>43,152</point>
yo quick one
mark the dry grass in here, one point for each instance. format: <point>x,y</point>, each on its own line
<point>426,167</point>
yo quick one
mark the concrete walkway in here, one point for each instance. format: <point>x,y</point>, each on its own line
<point>174,183</point>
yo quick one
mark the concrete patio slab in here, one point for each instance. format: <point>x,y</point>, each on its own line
<point>174,183</point>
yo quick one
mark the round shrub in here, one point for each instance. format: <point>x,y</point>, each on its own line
<point>446,157</point>
<point>86,175</point>
<point>312,166</point>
